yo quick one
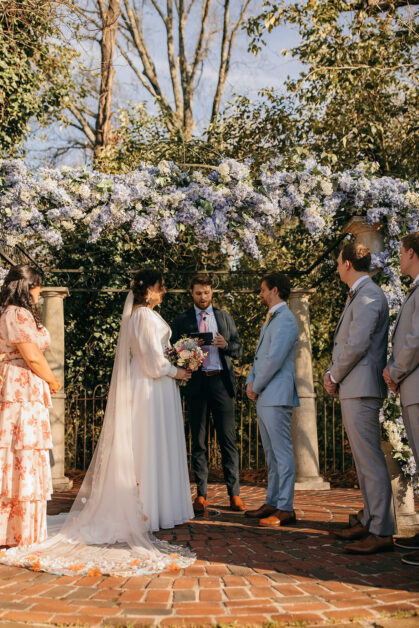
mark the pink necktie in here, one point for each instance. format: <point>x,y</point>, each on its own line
<point>204,328</point>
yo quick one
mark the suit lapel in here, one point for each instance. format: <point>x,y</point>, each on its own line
<point>265,327</point>
<point>415,287</point>
<point>192,322</point>
<point>348,303</point>
<point>220,321</point>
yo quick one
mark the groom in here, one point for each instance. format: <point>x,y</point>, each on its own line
<point>272,385</point>
<point>212,388</point>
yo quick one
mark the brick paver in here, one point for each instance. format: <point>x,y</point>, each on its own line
<point>244,575</point>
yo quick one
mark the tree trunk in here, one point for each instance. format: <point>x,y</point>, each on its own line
<point>110,18</point>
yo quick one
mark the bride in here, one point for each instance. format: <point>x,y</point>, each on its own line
<point>138,479</point>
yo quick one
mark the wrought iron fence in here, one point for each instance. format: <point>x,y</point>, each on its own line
<point>85,412</point>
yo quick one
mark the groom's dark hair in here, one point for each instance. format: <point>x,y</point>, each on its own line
<point>359,255</point>
<point>278,280</point>
<point>411,241</point>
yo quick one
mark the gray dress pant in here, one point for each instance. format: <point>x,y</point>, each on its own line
<point>360,418</point>
<point>411,423</point>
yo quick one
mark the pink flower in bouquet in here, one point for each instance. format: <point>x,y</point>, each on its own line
<point>187,354</point>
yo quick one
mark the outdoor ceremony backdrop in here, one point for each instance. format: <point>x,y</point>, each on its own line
<point>282,205</point>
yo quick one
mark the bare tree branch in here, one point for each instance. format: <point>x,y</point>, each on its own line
<point>149,68</point>
<point>159,11</point>
<point>378,6</point>
<point>226,49</point>
<point>198,49</point>
<point>110,17</point>
<point>173,61</point>
<point>87,129</point>
<point>136,71</point>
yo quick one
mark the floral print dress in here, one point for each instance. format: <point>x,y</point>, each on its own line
<point>25,433</point>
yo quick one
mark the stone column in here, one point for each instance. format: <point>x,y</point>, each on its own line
<point>304,420</point>
<point>53,319</point>
<point>369,235</point>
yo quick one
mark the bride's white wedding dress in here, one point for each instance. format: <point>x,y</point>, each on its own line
<point>158,433</point>
<point>137,481</point>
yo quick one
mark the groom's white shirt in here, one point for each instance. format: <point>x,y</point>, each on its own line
<point>276,307</point>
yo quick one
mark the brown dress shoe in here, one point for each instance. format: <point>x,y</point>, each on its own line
<point>200,505</point>
<point>371,544</point>
<point>237,504</point>
<point>351,534</point>
<point>261,512</point>
<point>278,518</point>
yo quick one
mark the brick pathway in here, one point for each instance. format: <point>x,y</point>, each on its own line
<point>244,574</point>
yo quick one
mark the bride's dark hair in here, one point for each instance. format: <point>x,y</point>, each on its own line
<point>15,290</point>
<point>143,280</point>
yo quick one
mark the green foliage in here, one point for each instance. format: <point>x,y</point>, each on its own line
<point>35,66</point>
<point>357,98</point>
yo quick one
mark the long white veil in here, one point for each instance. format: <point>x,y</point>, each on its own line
<point>106,529</point>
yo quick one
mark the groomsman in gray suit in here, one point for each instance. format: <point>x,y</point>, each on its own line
<point>402,372</point>
<point>272,384</point>
<point>358,358</point>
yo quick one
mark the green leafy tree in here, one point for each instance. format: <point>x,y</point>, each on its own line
<point>357,96</point>
<point>35,67</point>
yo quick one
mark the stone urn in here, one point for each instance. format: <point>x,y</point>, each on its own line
<point>404,502</point>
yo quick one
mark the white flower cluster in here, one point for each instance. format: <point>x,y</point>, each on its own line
<point>225,206</point>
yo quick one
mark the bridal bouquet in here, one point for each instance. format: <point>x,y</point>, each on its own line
<point>187,354</point>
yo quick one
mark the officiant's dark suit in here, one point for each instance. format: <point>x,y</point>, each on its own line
<point>212,387</point>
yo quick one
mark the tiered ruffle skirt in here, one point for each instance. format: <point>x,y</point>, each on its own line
<point>25,441</point>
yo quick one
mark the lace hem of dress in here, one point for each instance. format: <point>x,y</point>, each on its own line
<point>58,555</point>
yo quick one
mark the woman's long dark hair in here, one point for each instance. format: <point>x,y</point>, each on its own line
<point>15,289</point>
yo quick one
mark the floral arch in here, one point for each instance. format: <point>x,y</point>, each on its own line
<point>226,207</point>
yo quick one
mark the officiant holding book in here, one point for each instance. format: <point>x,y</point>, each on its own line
<point>211,388</point>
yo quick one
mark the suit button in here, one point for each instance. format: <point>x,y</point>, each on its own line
<point>255,358</point>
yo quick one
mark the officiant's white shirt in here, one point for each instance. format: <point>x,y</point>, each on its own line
<point>214,354</point>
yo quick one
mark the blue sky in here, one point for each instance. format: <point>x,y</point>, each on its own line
<point>247,75</point>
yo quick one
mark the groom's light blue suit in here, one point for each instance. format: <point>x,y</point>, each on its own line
<point>273,379</point>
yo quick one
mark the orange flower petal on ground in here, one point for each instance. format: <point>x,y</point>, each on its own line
<point>94,571</point>
<point>76,567</point>
<point>174,555</point>
<point>135,562</point>
<point>173,567</point>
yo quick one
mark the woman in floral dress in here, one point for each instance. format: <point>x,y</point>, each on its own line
<point>26,382</point>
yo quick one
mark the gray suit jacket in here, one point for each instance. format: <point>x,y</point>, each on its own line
<point>273,371</point>
<point>360,344</point>
<point>404,361</point>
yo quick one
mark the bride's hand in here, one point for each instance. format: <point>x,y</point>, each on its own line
<point>183,374</point>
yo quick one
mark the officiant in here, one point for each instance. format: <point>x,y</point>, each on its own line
<point>211,388</point>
